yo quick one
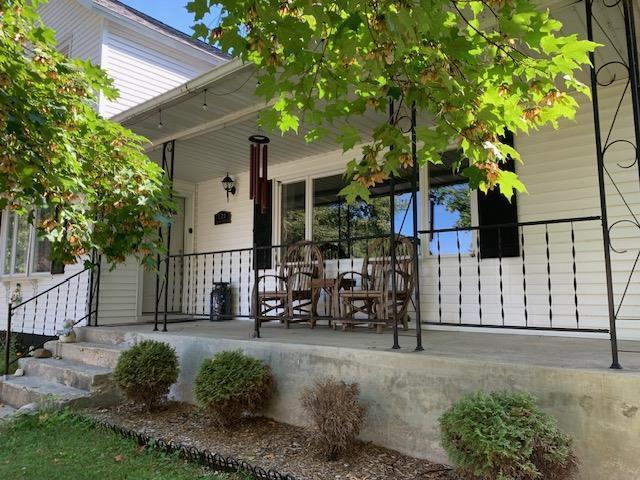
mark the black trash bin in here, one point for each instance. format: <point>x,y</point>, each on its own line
<point>220,302</point>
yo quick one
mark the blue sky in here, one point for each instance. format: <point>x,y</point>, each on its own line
<point>171,12</point>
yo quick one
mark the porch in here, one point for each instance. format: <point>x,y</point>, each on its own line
<point>558,261</point>
<point>541,264</point>
<point>528,349</point>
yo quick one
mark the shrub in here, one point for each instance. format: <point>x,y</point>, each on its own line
<point>336,415</point>
<point>231,385</point>
<point>146,371</point>
<point>505,436</point>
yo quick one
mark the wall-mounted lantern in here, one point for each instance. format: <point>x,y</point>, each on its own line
<point>229,185</point>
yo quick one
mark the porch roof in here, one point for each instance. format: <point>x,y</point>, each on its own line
<point>212,142</point>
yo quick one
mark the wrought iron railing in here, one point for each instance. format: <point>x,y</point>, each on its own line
<point>73,301</point>
<point>186,282</point>
<point>542,275</point>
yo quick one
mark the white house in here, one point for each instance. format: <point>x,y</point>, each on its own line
<point>560,261</point>
<point>546,272</point>
<point>145,58</point>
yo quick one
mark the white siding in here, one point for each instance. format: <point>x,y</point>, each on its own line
<point>559,171</point>
<point>141,69</point>
<point>72,22</point>
<point>119,293</point>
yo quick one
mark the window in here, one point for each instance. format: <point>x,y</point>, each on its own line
<point>24,251</point>
<point>449,207</point>
<point>293,213</point>
<point>334,221</point>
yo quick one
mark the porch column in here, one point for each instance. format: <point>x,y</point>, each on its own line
<point>392,245</point>
<point>631,66</point>
<point>168,157</point>
<point>416,236</point>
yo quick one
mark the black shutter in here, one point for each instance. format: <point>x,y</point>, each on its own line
<point>262,230</point>
<point>495,209</point>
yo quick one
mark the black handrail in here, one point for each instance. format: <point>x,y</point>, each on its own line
<point>58,285</point>
<point>90,310</point>
<point>511,225</point>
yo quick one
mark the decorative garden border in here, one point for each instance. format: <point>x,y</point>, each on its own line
<point>214,461</point>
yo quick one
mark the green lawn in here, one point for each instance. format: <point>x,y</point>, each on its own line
<point>59,446</point>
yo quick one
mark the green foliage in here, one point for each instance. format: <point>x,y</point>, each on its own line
<point>473,68</point>
<point>62,446</point>
<point>232,384</point>
<point>146,371</point>
<point>89,177</point>
<point>505,436</point>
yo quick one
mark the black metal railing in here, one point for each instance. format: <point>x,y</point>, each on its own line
<point>542,275</point>
<point>74,301</point>
<point>187,288</point>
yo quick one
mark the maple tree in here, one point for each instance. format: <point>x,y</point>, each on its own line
<point>83,181</point>
<point>472,68</point>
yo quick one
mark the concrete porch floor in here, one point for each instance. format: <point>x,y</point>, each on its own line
<point>487,346</point>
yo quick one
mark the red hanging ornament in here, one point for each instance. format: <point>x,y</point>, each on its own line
<point>259,181</point>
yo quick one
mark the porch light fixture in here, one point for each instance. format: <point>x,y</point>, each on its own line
<point>258,179</point>
<point>229,185</point>
<point>204,103</point>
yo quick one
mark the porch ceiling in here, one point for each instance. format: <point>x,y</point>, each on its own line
<point>212,142</point>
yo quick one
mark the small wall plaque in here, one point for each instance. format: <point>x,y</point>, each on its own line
<point>222,217</point>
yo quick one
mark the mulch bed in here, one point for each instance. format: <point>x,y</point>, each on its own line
<point>271,445</point>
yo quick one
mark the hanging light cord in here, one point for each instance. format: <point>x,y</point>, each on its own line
<point>191,94</point>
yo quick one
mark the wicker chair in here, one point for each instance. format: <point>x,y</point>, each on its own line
<point>289,296</point>
<point>372,300</point>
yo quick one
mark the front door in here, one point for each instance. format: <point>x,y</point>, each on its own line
<point>175,268</point>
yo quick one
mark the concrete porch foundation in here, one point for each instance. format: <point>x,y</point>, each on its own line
<point>406,392</point>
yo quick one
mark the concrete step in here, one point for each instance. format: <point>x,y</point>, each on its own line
<point>66,372</point>
<point>6,411</point>
<point>89,353</point>
<point>19,391</point>
<point>105,335</point>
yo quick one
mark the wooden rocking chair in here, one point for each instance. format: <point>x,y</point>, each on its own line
<point>372,300</point>
<point>289,297</point>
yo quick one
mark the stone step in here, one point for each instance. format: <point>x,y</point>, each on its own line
<point>6,411</point>
<point>66,372</point>
<point>89,353</point>
<point>105,335</point>
<point>19,391</point>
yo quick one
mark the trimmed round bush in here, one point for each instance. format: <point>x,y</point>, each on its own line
<point>146,371</point>
<point>505,436</point>
<point>231,385</point>
<point>336,415</point>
